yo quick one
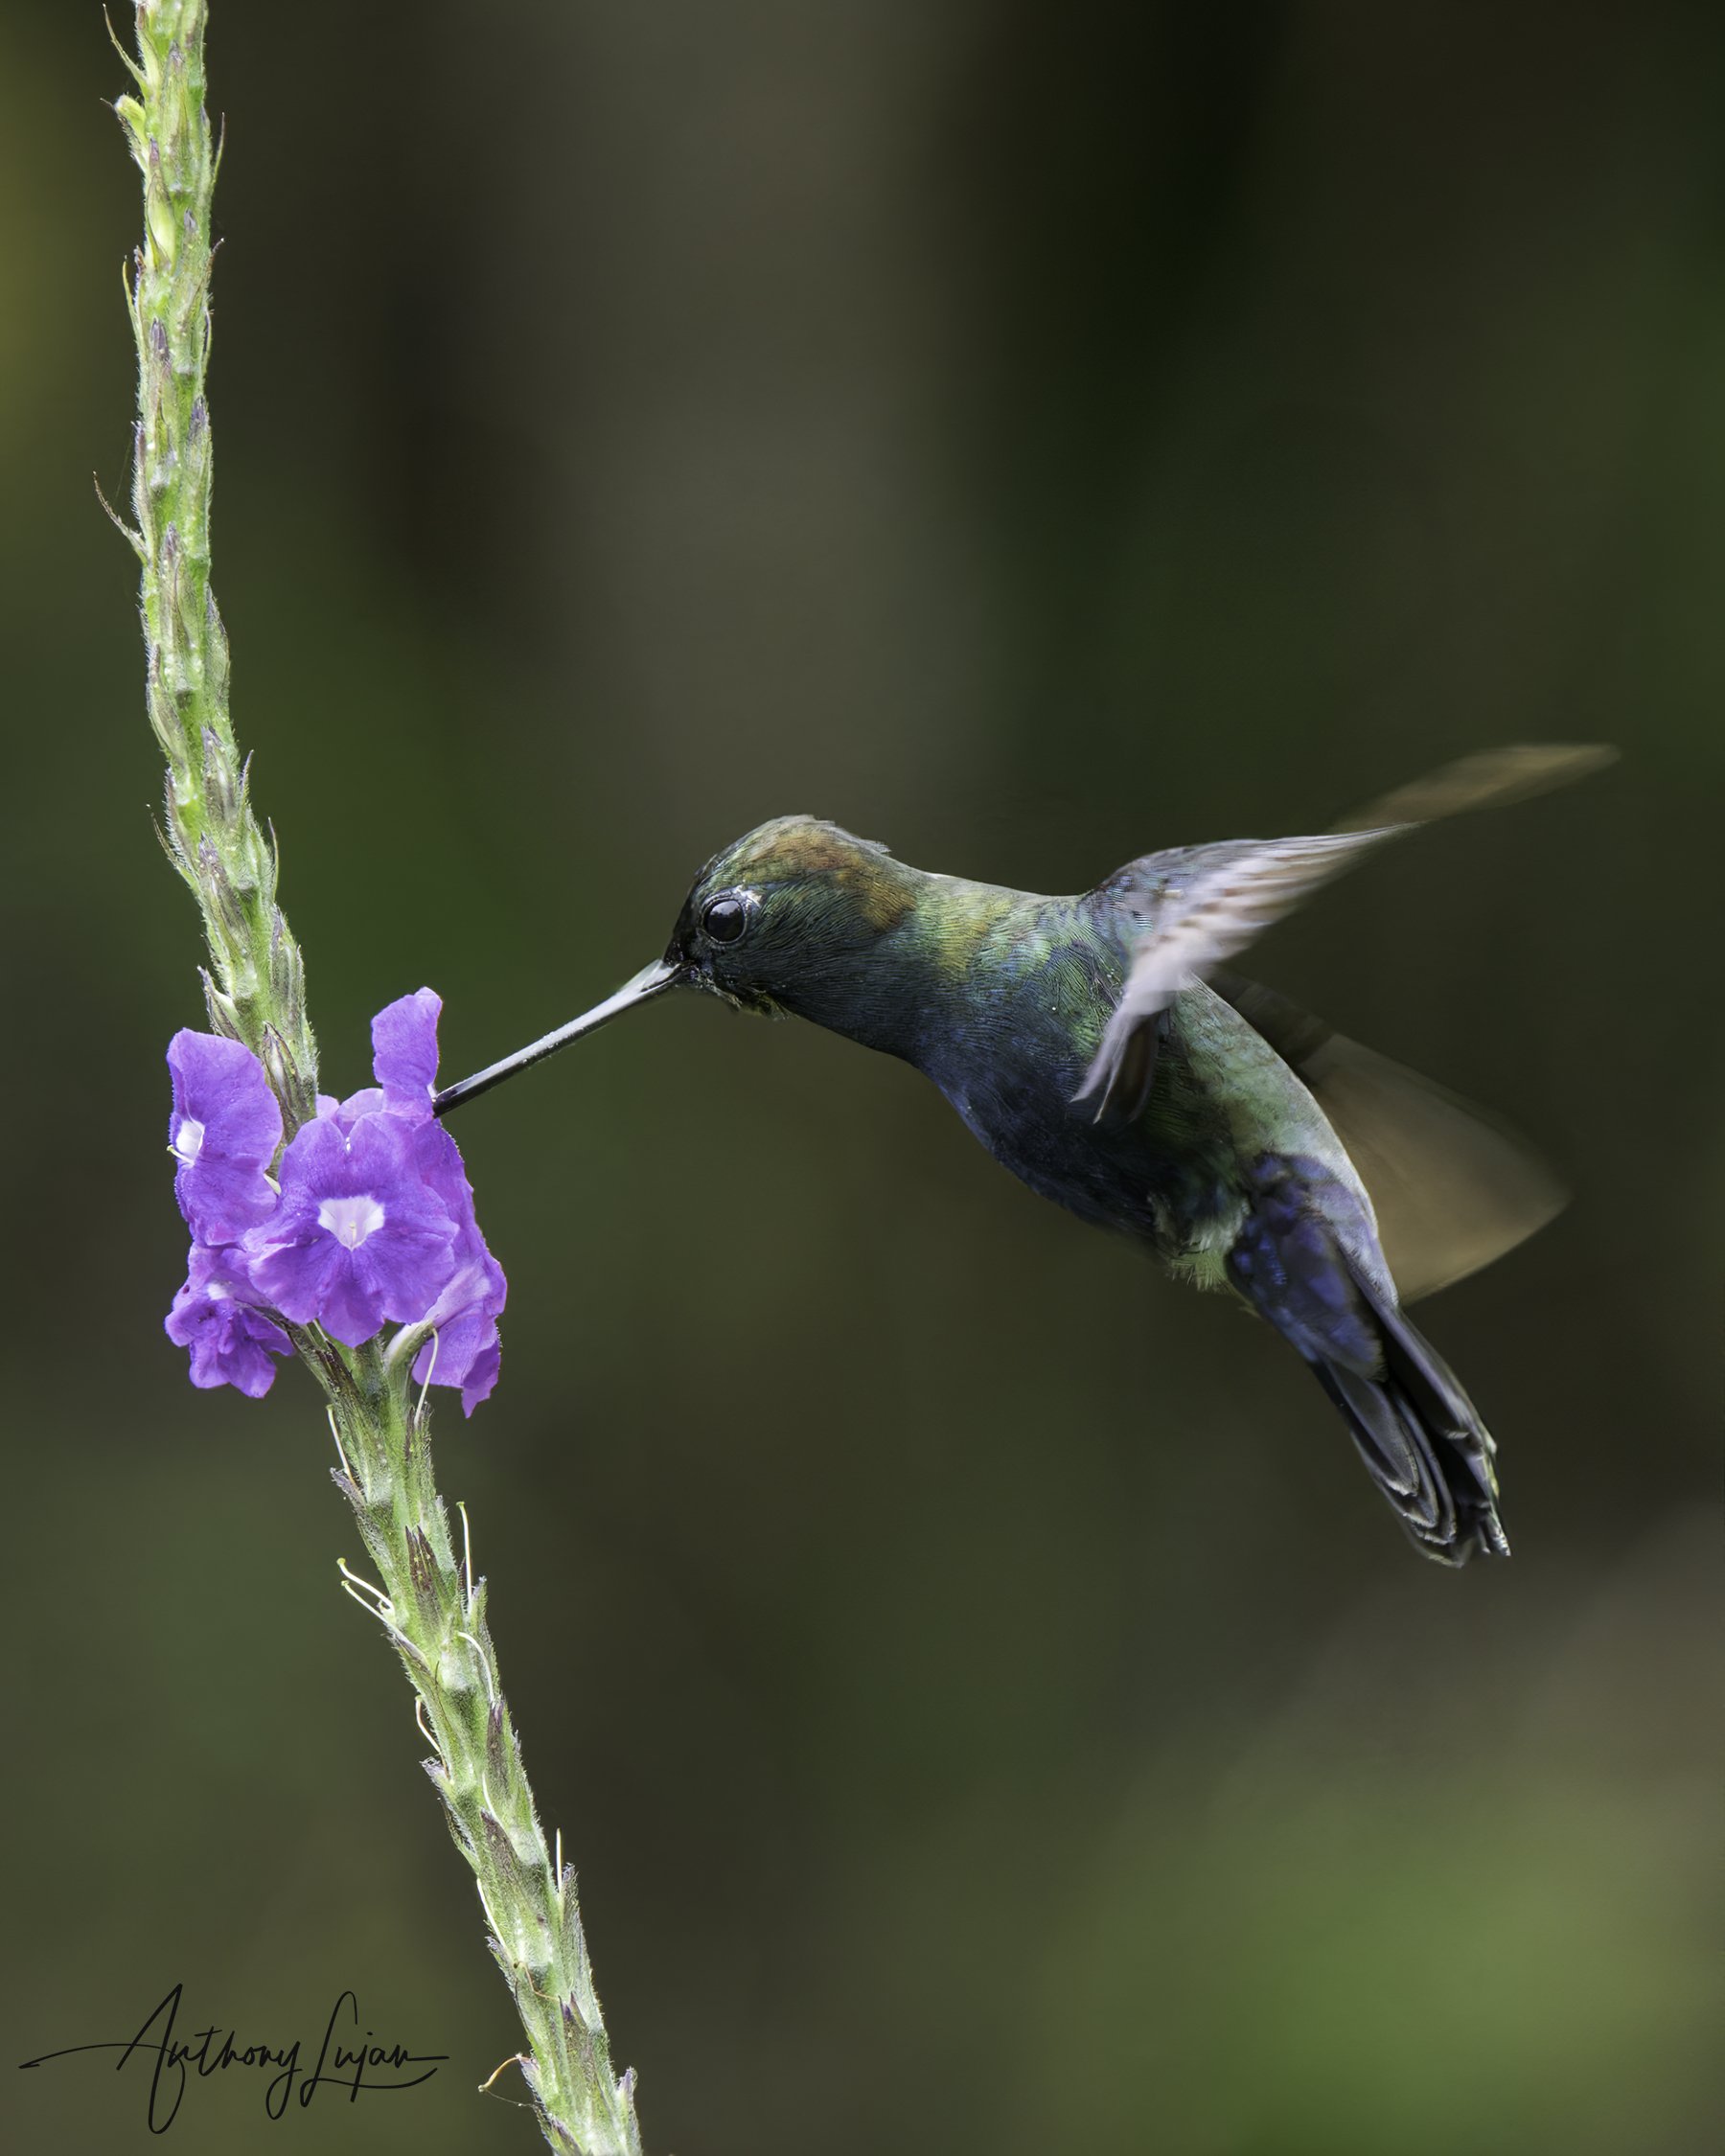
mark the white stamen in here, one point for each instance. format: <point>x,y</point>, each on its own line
<point>368,1596</point>
<point>188,1138</point>
<point>351,1220</point>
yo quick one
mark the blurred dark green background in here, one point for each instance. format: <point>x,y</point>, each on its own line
<point>989,1706</point>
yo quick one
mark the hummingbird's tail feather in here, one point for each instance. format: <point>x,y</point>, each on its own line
<point>1294,1259</point>
<point>1420,1438</point>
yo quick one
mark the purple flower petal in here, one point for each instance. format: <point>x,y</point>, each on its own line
<point>437,1160</point>
<point>358,1238</point>
<point>224,1131</point>
<point>466,1353</point>
<point>482,1374</point>
<point>350,1303</point>
<point>466,1314</point>
<point>405,1051</point>
<point>369,1100</point>
<point>213,1315</point>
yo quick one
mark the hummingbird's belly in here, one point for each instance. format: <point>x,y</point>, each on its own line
<point>1012,1049</point>
<point>1163,1179</point>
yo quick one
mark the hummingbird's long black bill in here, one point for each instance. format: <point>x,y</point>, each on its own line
<point>652,980</point>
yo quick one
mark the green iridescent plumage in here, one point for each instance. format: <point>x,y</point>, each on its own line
<point>1099,1049</point>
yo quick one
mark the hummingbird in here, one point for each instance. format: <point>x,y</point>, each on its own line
<point>1101,1047</point>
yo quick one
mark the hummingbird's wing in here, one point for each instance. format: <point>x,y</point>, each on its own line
<point>1202,904</point>
<point>1452,1187</point>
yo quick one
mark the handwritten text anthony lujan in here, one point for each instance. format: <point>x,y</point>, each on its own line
<point>214,2050</point>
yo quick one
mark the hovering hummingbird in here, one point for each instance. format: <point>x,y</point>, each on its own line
<point>1099,1047</point>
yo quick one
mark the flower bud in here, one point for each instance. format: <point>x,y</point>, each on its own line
<point>164,712</point>
<point>221,783</point>
<point>279,1066</point>
<point>159,219</point>
<point>224,1012</point>
<point>131,118</point>
<point>218,892</point>
<point>287,975</point>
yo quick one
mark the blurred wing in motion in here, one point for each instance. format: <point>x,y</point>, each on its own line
<point>1205,903</point>
<point>1493,778</point>
<point>1233,894</point>
<point>1452,1188</point>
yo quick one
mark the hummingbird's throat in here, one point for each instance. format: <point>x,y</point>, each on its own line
<point>751,1002</point>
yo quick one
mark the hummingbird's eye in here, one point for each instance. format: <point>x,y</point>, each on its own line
<point>722,920</point>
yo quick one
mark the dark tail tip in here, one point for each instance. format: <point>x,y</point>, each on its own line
<point>1422,1440</point>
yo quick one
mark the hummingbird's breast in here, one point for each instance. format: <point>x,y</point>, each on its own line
<point>1008,1036</point>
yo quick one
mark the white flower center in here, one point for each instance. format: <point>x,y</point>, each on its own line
<point>351,1220</point>
<point>188,1138</point>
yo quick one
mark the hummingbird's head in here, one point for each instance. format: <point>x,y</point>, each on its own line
<point>780,922</point>
<point>786,912</point>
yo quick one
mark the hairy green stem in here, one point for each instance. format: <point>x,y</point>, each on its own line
<point>433,1609</point>
<point>256,987</point>
<point>429,1603</point>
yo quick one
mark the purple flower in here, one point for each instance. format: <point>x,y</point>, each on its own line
<point>373,1220</point>
<point>358,1237</point>
<point>405,1051</point>
<point>225,1127</point>
<point>466,1352</point>
<point>216,1317</point>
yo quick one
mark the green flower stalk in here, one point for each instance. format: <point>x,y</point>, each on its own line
<point>429,1603</point>
<point>433,1609</point>
<point>256,989</point>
